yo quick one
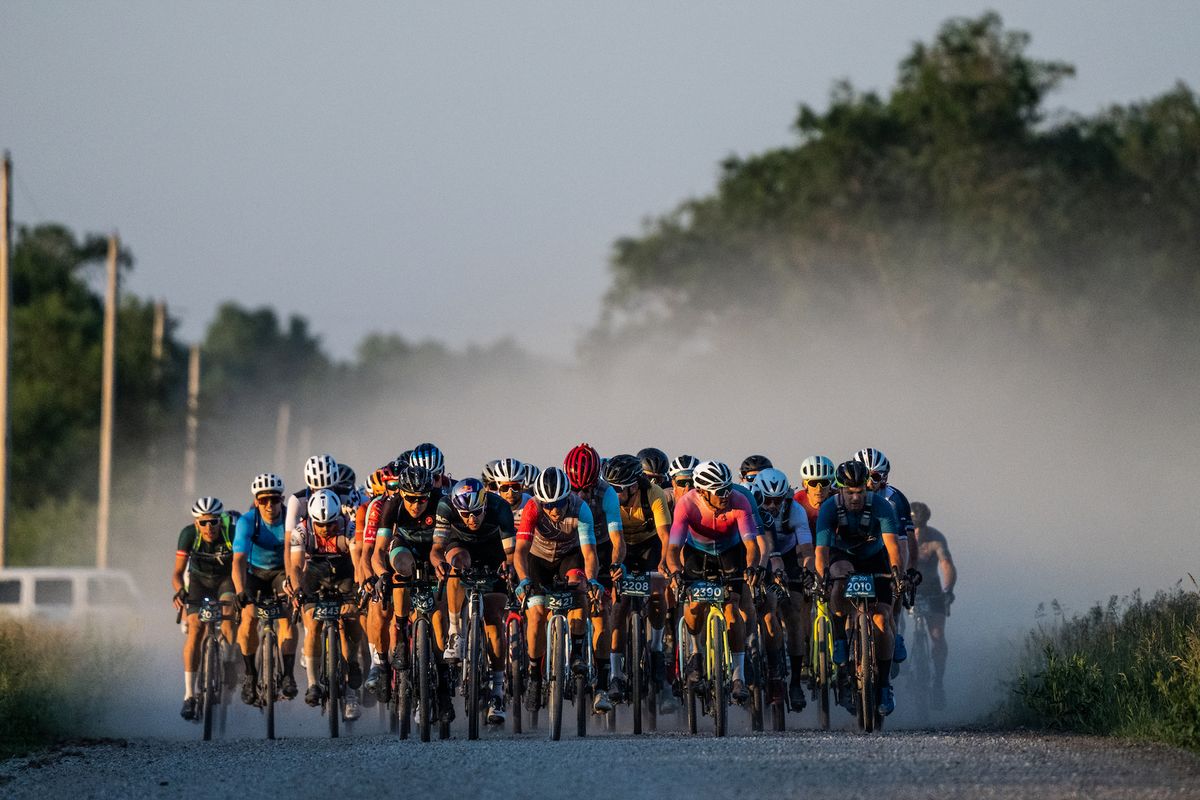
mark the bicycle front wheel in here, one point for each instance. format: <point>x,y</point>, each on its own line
<point>474,675</point>
<point>823,667</point>
<point>636,637</point>
<point>268,658</point>
<point>557,657</point>
<point>209,683</point>
<point>516,671</point>
<point>716,661</point>
<point>333,676</point>
<point>424,667</point>
<point>866,673</point>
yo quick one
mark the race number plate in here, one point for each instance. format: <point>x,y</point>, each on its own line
<point>560,601</point>
<point>861,586</point>
<point>269,611</point>
<point>635,586</point>
<point>423,602</point>
<point>328,611</point>
<point>209,613</point>
<point>705,592</point>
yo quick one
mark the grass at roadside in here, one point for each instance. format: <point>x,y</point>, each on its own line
<point>52,681</point>
<point>1131,668</point>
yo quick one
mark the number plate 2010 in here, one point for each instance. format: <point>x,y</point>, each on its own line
<point>861,586</point>
<point>635,586</point>
<point>704,592</point>
<point>327,611</point>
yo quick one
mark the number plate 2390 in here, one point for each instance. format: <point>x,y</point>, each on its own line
<point>704,592</point>
<point>861,586</point>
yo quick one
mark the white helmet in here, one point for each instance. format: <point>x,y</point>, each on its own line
<point>324,506</point>
<point>874,460</point>
<point>207,505</point>
<point>508,470</point>
<point>773,483</point>
<point>551,485</point>
<point>320,472</point>
<point>712,476</point>
<point>266,482</point>
<point>817,468</point>
<point>683,465</point>
<point>489,471</point>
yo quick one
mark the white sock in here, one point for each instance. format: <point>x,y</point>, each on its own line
<point>656,637</point>
<point>189,685</point>
<point>455,619</point>
<point>498,683</point>
<point>376,659</point>
<point>739,666</point>
<point>616,665</point>
<point>312,668</point>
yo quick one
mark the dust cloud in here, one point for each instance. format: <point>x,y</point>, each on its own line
<point>1055,471</point>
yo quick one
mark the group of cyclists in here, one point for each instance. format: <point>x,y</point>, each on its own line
<point>581,527</point>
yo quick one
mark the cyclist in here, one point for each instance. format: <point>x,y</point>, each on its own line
<point>646,526</point>
<point>555,541</point>
<point>655,465</point>
<point>934,596</point>
<point>508,475</point>
<point>857,532</point>
<point>816,476</point>
<point>258,571</point>
<point>475,530</point>
<point>751,466</point>
<point>680,473</point>
<point>205,552</point>
<point>381,484</point>
<point>714,531</point>
<point>789,539</point>
<point>878,468</point>
<point>320,472</point>
<point>582,466</point>
<point>403,545</point>
<point>325,546</point>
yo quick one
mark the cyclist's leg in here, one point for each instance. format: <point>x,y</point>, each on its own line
<point>455,597</point>
<point>191,642</point>
<point>938,648</point>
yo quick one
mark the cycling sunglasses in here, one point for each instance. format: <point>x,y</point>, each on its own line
<point>392,486</point>
<point>207,522</point>
<point>268,499</point>
<point>414,498</point>
<point>877,477</point>
<point>683,483</point>
<point>476,514</point>
<point>556,505</point>
<point>721,493</point>
<point>819,483</point>
<point>509,488</point>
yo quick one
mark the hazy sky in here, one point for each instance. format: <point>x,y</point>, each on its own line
<point>452,170</point>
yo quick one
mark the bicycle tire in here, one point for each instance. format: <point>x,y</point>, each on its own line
<point>404,693</point>
<point>208,683</point>
<point>333,683</point>
<point>267,662</point>
<point>637,645</point>
<point>716,644</point>
<point>758,699</point>
<point>558,675</point>
<point>423,667</point>
<point>866,673</point>
<point>516,671</point>
<point>823,666</point>
<point>474,675</point>
<point>582,695</point>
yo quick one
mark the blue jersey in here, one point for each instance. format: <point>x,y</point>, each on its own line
<point>263,542</point>
<point>860,535</point>
<point>900,506</point>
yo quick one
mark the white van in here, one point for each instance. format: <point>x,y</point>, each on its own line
<point>67,594</point>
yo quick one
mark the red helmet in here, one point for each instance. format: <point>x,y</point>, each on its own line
<point>582,465</point>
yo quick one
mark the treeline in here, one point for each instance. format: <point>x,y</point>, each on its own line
<point>954,197</point>
<point>252,362</point>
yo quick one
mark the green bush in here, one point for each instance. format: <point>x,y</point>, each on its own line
<point>51,682</point>
<point>1131,668</point>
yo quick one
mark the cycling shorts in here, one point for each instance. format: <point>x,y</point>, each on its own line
<point>542,572</point>
<point>200,588</point>
<point>644,556</point>
<point>264,582</point>
<point>842,564</point>
<point>931,603</point>
<point>334,574</point>
<point>418,550</point>
<point>488,554</point>
<point>728,567</point>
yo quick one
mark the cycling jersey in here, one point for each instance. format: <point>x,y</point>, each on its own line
<point>497,525</point>
<point>700,526</point>
<point>930,544</point>
<point>394,520</point>
<point>518,508</point>
<point>262,542</point>
<point>606,508</point>
<point>810,509</point>
<point>297,509</point>
<point>368,518</point>
<point>318,546</point>
<point>553,540</point>
<point>790,527</point>
<point>648,511</point>
<point>859,535</point>
<point>900,506</point>
<point>207,561</point>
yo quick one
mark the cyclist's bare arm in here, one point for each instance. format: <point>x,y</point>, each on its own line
<point>177,575</point>
<point>673,562</point>
<point>521,558</point>
<point>591,566</point>
<point>239,572</point>
<point>891,543</point>
<point>946,569</point>
<point>821,559</point>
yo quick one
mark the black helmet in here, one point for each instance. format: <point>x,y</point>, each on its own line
<point>623,470</point>
<point>755,463</point>
<point>920,513</point>
<point>415,480</point>
<point>654,461</point>
<point>852,474</point>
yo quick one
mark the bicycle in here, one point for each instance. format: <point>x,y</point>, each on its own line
<point>211,679</point>
<point>268,659</point>
<point>329,613</point>
<point>642,688</point>
<point>774,688</point>
<point>824,677</point>
<point>558,662</point>
<point>713,688</point>
<point>416,676</point>
<point>477,582</point>
<point>516,663</point>
<point>386,694</point>
<point>860,593</point>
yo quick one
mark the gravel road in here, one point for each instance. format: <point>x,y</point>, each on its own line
<point>900,764</point>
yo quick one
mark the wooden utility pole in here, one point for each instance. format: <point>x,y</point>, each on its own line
<point>108,380</point>
<point>282,423</point>
<point>193,424</point>
<point>5,325</point>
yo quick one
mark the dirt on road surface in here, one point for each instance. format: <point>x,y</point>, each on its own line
<point>798,764</point>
